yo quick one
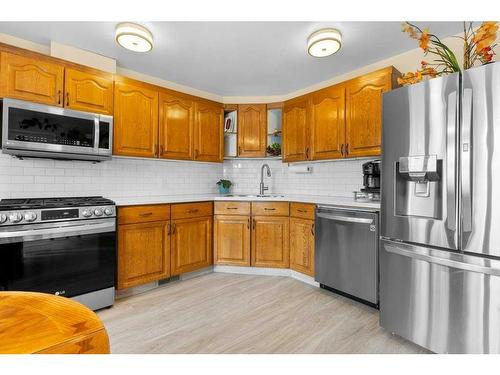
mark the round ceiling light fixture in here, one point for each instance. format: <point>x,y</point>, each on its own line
<point>134,37</point>
<point>324,42</point>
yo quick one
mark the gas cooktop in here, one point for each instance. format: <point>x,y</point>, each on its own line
<point>32,203</point>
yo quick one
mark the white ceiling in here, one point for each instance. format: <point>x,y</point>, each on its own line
<point>235,58</point>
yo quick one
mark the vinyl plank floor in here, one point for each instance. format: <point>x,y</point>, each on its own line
<point>228,313</point>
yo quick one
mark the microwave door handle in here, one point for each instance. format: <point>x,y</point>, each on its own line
<point>96,134</point>
<point>451,158</point>
<point>466,168</point>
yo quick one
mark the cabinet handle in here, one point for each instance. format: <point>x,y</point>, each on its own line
<point>269,209</point>
<point>239,150</point>
<point>169,229</point>
<point>145,214</point>
<point>253,224</point>
<point>232,208</point>
<point>307,152</point>
<point>347,149</point>
<point>172,228</point>
<point>301,210</point>
<point>312,229</point>
<point>59,97</point>
<point>156,149</point>
<point>196,154</point>
<point>192,211</point>
<point>67,98</point>
<point>342,150</point>
<point>248,224</point>
<point>161,149</point>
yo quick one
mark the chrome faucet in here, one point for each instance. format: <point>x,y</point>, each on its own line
<point>263,187</point>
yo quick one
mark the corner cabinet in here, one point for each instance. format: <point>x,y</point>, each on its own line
<point>91,92</point>
<point>135,120</point>
<point>252,130</point>
<point>364,112</point>
<point>208,132</point>
<point>176,126</point>
<point>295,129</point>
<point>33,79</point>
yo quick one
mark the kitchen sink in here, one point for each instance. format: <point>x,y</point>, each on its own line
<point>255,195</point>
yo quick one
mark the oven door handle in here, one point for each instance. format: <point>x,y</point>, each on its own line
<point>57,232</point>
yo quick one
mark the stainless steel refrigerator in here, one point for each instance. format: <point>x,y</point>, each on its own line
<point>440,212</point>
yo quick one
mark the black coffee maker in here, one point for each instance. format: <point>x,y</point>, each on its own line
<point>371,177</point>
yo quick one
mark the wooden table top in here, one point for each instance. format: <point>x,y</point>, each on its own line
<point>45,323</point>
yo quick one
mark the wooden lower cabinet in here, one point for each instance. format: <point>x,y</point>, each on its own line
<point>232,240</point>
<point>143,253</point>
<point>191,244</point>
<point>302,245</point>
<point>270,242</point>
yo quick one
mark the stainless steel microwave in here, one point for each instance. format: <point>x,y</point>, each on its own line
<point>38,130</point>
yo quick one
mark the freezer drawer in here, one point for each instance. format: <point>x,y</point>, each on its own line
<point>444,301</point>
<point>346,252</point>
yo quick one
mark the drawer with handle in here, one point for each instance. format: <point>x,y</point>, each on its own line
<point>302,210</point>
<point>232,208</point>
<point>143,214</point>
<point>270,208</point>
<point>187,210</point>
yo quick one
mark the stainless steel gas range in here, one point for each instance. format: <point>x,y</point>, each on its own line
<point>62,246</point>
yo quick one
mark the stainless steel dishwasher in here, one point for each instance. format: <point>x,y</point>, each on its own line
<point>346,255</point>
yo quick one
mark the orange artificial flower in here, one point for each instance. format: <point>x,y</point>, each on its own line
<point>409,30</point>
<point>424,40</point>
<point>486,54</point>
<point>486,35</point>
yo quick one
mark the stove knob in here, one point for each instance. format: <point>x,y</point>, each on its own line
<point>108,211</point>
<point>98,212</point>
<point>86,212</point>
<point>15,217</point>
<point>3,218</point>
<point>30,216</point>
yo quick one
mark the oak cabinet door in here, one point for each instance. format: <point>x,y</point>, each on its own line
<point>135,120</point>
<point>232,240</point>
<point>295,130</point>
<point>31,79</point>
<point>88,92</point>
<point>364,113</point>
<point>176,127</point>
<point>208,134</point>
<point>302,245</point>
<point>328,123</point>
<point>191,244</point>
<point>270,242</point>
<point>252,130</point>
<point>143,253</point>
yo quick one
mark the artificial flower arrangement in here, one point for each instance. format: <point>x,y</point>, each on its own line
<point>478,47</point>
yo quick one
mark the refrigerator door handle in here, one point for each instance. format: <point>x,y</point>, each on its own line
<point>466,168</point>
<point>416,253</point>
<point>451,157</point>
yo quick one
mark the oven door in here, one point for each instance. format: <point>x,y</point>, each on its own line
<point>68,259</point>
<point>43,128</point>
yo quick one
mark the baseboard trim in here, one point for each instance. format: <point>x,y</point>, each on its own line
<point>266,272</point>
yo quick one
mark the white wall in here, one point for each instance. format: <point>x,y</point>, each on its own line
<point>335,178</point>
<point>118,177</point>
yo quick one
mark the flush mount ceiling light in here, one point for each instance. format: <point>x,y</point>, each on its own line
<point>324,42</point>
<point>134,37</point>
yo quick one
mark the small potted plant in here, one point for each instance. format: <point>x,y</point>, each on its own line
<point>224,186</point>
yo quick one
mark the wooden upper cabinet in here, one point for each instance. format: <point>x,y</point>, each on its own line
<point>302,245</point>
<point>232,240</point>
<point>36,80</point>
<point>295,130</point>
<point>270,242</point>
<point>208,132</point>
<point>328,123</point>
<point>252,130</point>
<point>135,120</point>
<point>143,253</point>
<point>364,112</point>
<point>191,244</point>
<point>88,91</point>
<point>176,126</point>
